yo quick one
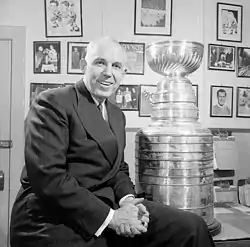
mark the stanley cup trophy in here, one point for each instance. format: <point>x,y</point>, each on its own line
<point>174,154</point>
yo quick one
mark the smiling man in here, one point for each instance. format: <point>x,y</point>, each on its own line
<point>75,186</point>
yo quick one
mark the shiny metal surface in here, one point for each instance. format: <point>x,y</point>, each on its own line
<point>174,154</point>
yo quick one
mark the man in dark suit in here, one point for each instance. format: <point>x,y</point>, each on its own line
<point>76,189</point>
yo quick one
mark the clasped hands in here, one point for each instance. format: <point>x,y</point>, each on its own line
<point>131,218</point>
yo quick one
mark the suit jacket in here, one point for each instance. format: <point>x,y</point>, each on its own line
<point>74,167</point>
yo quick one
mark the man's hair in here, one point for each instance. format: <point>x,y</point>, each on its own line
<point>221,91</point>
<point>91,46</point>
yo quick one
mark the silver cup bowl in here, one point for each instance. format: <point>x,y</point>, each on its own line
<point>174,58</point>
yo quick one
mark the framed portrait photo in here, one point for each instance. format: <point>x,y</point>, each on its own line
<point>153,17</point>
<point>76,57</point>
<point>47,57</point>
<point>243,102</point>
<point>146,100</point>
<point>221,101</point>
<point>243,62</point>
<point>229,22</point>
<point>221,57</point>
<point>135,54</point>
<point>36,88</point>
<point>196,93</point>
<point>126,97</point>
<point>63,18</point>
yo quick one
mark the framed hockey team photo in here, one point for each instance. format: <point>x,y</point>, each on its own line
<point>47,57</point>
<point>229,22</point>
<point>243,62</point>
<point>76,57</point>
<point>126,97</point>
<point>135,55</point>
<point>221,101</point>
<point>243,102</point>
<point>221,57</point>
<point>36,88</point>
<point>63,18</point>
<point>146,100</point>
<point>153,17</point>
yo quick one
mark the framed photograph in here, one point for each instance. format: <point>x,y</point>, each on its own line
<point>196,92</point>
<point>63,18</point>
<point>243,102</point>
<point>36,88</point>
<point>221,57</point>
<point>135,54</point>
<point>229,22</point>
<point>146,100</point>
<point>126,97</point>
<point>76,57</point>
<point>221,101</point>
<point>243,62</point>
<point>153,17</point>
<point>47,57</point>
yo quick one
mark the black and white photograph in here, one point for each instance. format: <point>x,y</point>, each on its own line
<point>196,93</point>
<point>135,55</point>
<point>221,57</point>
<point>243,62</point>
<point>229,22</point>
<point>36,88</point>
<point>126,97</point>
<point>47,57</point>
<point>146,100</point>
<point>243,102</point>
<point>153,17</point>
<point>63,18</point>
<point>221,101</point>
<point>76,57</point>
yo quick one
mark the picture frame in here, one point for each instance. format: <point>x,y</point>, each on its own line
<point>196,93</point>
<point>153,17</point>
<point>47,57</point>
<point>243,102</point>
<point>76,53</point>
<point>146,100</point>
<point>126,97</point>
<point>221,57</point>
<point>36,88</point>
<point>221,101</point>
<point>136,57</point>
<point>63,18</point>
<point>229,22</point>
<point>243,62</point>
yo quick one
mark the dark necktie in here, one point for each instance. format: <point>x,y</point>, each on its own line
<point>101,109</point>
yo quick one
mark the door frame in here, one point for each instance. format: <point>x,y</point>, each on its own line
<point>17,36</point>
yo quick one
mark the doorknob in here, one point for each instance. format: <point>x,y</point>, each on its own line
<point>6,144</point>
<point>1,180</point>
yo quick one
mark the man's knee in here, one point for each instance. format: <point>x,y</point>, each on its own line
<point>194,222</point>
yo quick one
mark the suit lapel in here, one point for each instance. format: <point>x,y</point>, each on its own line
<point>94,123</point>
<point>115,125</point>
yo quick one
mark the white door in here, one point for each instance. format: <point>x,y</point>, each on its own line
<point>12,88</point>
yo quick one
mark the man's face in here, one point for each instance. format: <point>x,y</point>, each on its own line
<point>105,69</point>
<point>221,98</point>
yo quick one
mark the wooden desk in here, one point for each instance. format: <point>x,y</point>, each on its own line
<point>235,227</point>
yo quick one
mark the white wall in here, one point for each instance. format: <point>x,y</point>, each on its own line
<point>193,20</point>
